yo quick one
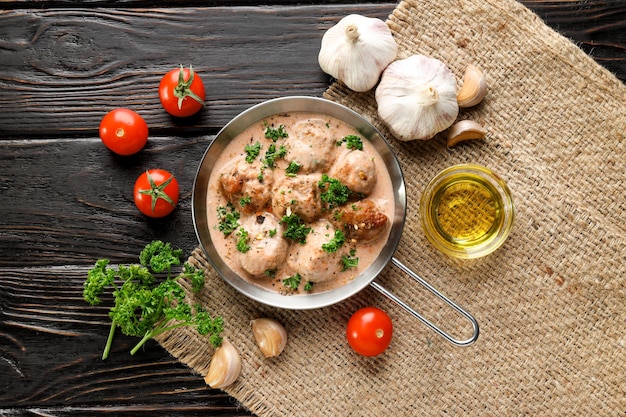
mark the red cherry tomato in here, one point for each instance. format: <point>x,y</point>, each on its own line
<point>156,193</point>
<point>369,331</point>
<point>182,92</point>
<point>123,131</point>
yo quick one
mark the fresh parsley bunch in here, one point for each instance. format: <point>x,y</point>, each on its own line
<point>145,306</point>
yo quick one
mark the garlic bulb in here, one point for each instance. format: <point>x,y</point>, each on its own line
<point>270,336</point>
<point>356,51</point>
<point>225,366</point>
<point>416,97</point>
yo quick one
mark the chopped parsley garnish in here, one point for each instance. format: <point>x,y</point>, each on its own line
<point>308,287</point>
<point>334,193</point>
<point>273,154</point>
<point>352,142</point>
<point>272,232</point>
<point>296,229</point>
<point>335,243</point>
<point>242,240</point>
<point>270,273</point>
<point>229,219</point>
<point>275,133</point>
<point>292,282</point>
<point>243,201</point>
<point>252,152</point>
<point>292,169</point>
<point>349,261</point>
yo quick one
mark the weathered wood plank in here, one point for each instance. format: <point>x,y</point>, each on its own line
<point>61,210</point>
<point>63,69</point>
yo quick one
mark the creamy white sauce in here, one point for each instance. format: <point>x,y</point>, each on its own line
<point>382,195</point>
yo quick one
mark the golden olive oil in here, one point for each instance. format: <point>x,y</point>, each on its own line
<point>467,211</point>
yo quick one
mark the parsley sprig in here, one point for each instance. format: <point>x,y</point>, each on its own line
<point>145,306</point>
<point>335,243</point>
<point>334,193</point>
<point>273,154</point>
<point>352,142</point>
<point>252,152</point>
<point>228,219</point>
<point>296,229</point>
<point>275,133</point>
<point>349,261</point>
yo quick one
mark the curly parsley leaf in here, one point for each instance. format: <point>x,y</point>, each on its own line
<point>228,219</point>
<point>292,169</point>
<point>352,142</point>
<point>160,256</point>
<point>296,229</point>
<point>334,193</point>
<point>242,240</point>
<point>292,282</point>
<point>252,152</point>
<point>349,261</point>
<point>273,154</point>
<point>275,133</point>
<point>335,243</point>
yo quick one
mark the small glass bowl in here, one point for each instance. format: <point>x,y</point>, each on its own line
<point>467,211</point>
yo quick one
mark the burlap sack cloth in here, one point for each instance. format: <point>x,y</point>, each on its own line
<point>551,302</point>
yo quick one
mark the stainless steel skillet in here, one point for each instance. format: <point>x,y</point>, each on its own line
<point>323,299</point>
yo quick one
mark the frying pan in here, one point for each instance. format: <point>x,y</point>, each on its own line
<point>365,278</point>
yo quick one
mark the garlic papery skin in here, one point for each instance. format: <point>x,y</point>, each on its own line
<point>270,336</point>
<point>465,130</point>
<point>225,366</point>
<point>416,97</point>
<point>474,88</point>
<point>357,50</point>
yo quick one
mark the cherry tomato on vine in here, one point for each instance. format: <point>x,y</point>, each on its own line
<point>369,331</point>
<point>156,193</point>
<point>123,131</point>
<point>181,92</point>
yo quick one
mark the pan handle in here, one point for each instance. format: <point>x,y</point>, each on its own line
<point>418,316</point>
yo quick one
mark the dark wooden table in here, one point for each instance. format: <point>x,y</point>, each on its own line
<point>66,201</point>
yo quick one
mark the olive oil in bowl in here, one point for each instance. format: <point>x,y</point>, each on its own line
<point>467,211</point>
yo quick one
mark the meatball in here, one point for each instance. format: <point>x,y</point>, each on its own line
<point>248,186</point>
<point>311,145</point>
<point>361,220</point>
<point>268,248</point>
<point>356,170</point>
<point>299,194</point>
<point>313,263</point>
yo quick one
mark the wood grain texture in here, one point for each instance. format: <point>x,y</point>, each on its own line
<point>69,202</point>
<point>65,201</point>
<point>65,73</point>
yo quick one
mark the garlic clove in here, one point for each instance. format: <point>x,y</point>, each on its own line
<point>465,130</point>
<point>225,366</point>
<point>356,51</point>
<point>416,97</point>
<point>270,336</point>
<point>474,87</point>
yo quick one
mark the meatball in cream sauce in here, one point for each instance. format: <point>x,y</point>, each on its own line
<point>267,248</point>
